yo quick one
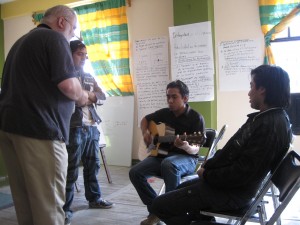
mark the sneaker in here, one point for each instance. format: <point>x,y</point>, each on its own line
<point>151,220</point>
<point>101,204</point>
<point>67,221</point>
<point>68,216</point>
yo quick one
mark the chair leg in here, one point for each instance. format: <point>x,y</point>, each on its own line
<point>105,164</point>
<point>274,193</point>
<point>77,187</point>
<point>162,189</point>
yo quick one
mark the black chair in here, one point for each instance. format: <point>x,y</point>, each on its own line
<point>286,178</point>
<point>211,135</point>
<point>213,146</point>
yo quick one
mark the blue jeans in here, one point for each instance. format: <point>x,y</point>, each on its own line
<point>171,169</point>
<point>84,146</point>
<point>182,206</point>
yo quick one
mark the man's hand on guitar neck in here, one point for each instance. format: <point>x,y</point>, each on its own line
<point>184,145</point>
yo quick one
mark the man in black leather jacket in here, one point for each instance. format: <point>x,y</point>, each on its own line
<point>230,179</point>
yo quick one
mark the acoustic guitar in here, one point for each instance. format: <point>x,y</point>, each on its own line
<point>160,135</point>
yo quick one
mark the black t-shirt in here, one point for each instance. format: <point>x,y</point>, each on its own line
<point>30,102</point>
<point>188,122</point>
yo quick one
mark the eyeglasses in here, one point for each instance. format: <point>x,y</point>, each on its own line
<point>74,27</point>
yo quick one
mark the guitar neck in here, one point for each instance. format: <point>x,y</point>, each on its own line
<point>170,138</point>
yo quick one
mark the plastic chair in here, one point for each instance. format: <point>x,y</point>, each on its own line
<point>286,178</point>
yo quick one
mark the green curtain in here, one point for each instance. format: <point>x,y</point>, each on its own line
<point>104,30</point>
<point>275,16</point>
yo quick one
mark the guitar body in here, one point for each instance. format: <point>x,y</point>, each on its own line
<point>155,130</point>
<point>164,134</point>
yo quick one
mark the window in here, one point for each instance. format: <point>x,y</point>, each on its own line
<point>286,51</point>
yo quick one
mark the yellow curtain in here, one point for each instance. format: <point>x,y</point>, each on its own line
<point>104,31</point>
<point>275,16</point>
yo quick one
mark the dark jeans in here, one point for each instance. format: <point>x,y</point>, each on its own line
<point>171,169</point>
<point>83,146</point>
<point>181,206</point>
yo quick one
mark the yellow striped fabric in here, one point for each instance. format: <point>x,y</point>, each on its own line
<point>275,16</point>
<point>104,31</point>
<point>276,2</point>
<point>105,18</point>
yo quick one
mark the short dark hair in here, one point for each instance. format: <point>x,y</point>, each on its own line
<point>183,89</point>
<point>76,44</point>
<point>276,81</point>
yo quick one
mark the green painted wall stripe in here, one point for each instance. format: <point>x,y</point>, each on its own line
<point>1,45</point>
<point>195,11</point>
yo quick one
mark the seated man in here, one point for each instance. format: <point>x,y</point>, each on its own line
<point>230,179</point>
<point>178,157</point>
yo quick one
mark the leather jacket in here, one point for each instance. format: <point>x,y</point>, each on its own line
<point>252,152</point>
<point>88,83</point>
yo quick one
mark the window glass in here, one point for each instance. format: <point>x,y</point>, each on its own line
<point>286,48</point>
<point>295,27</point>
<point>287,56</point>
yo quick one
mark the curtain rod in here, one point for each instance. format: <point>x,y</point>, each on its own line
<point>86,2</point>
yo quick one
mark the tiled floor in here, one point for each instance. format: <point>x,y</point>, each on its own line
<point>128,208</point>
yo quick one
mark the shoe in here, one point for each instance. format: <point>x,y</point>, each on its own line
<point>151,220</point>
<point>67,221</point>
<point>68,216</point>
<point>101,204</point>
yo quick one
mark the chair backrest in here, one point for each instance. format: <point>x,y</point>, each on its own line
<point>286,179</point>
<point>213,146</point>
<point>210,137</point>
<point>287,175</point>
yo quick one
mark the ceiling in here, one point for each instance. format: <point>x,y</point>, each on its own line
<point>5,1</point>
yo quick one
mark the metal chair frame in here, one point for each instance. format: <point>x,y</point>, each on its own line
<point>286,179</point>
<point>211,144</point>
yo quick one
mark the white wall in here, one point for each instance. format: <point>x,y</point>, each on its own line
<point>147,19</point>
<point>236,20</point>
<point>14,28</point>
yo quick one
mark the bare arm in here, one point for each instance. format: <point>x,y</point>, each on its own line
<point>96,96</point>
<point>190,149</point>
<point>72,89</point>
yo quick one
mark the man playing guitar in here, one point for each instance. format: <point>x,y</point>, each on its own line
<point>171,159</point>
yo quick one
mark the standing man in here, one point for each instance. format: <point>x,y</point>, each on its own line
<point>178,158</point>
<point>84,138</point>
<point>38,90</point>
<point>230,179</point>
